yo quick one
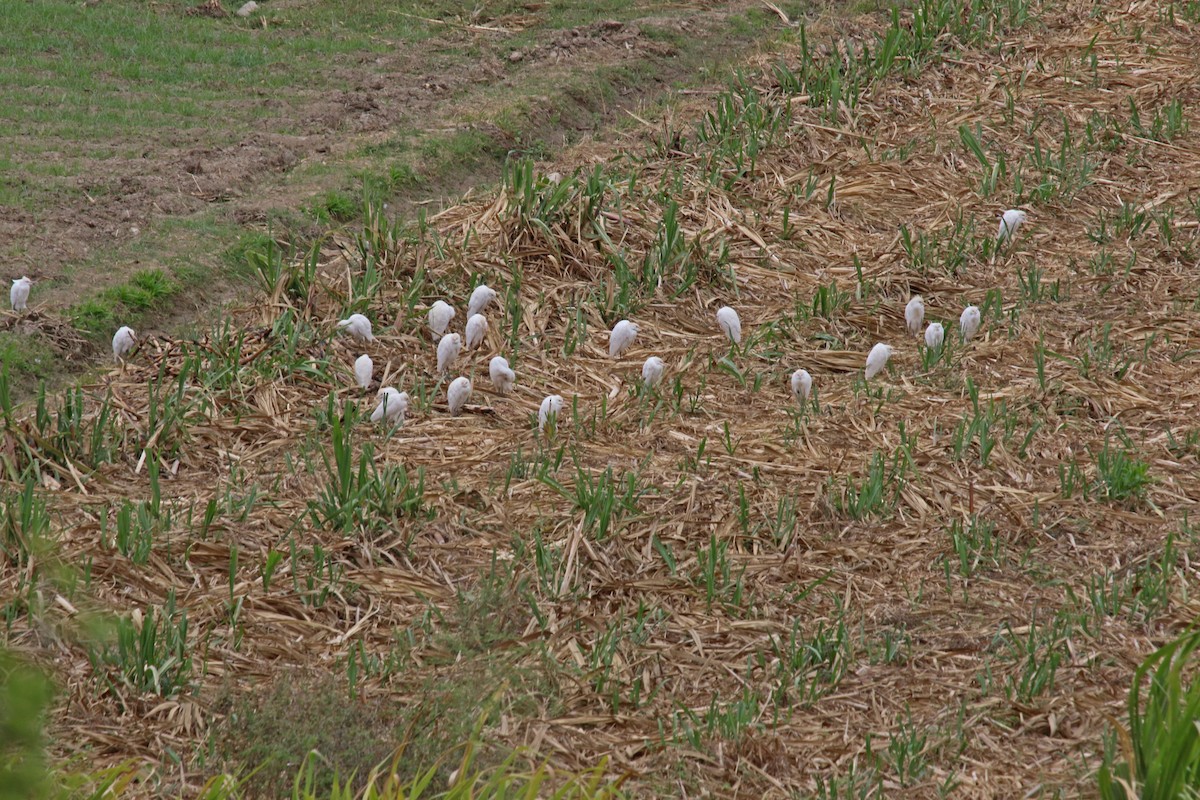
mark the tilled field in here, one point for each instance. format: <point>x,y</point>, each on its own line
<point>935,582</point>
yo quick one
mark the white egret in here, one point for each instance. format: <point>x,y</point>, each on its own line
<point>877,359</point>
<point>502,375</point>
<point>1010,221</point>
<point>914,314</point>
<point>801,385</point>
<point>457,395</point>
<point>447,351</point>
<point>730,324</point>
<point>969,322</point>
<point>935,334</point>
<point>480,298</point>
<point>440,314</point>
<point>549,410</point>
<point>364,368</point>
<point>652,371</point>
<point>357,326</point>
<point>123,341</point>
<point>621,337</point>
<point>393,405</point>
<point>18,295</point>
<point>476,329</point>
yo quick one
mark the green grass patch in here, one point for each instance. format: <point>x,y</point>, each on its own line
<point>333,206</point>
<point>26,356</point>
<point>1161,747</point>
<point>24,695</point>
<point>124,303</point>
<point>1122,476</point>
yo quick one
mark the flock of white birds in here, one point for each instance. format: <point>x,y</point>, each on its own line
<point>393,404</point>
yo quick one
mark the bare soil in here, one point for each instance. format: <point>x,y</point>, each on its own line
<point>426,90</point>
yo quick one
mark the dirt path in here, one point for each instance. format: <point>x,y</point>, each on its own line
<point>132,217</point>
<point>468,81</point>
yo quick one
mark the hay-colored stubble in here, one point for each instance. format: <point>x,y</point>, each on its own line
<point>880,576</point>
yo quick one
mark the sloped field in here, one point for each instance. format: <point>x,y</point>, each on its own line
<point>937,582</point>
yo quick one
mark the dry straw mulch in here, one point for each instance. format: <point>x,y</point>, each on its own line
<point>652,640</point>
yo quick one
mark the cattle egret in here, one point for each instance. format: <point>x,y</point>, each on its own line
<point>476,329</point>
<point>357,326</point>
<point>392,406</point>
<point>440,314</point>
<point>622,335</point>
<point>934,335</point>
<point>801,385</point>
<point>447,351</point>
<point>730,324</point>
<point>1010,221</point>
<point>652,371</point>
<point>550,408</point>
<point>364,368</point>
<point>19,294</point>
<point>457,395</point>
<point>123,342</point>
<point>480,298</point>
<point>877,359</point>
<point>969,322</point>
<point>914,314</point>
<point>502,375</point>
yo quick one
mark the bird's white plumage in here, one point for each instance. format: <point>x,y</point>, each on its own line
<point>18,295</point>
<point>549,410</point>
<point>801,384</point>
<point>364,369</point>
<point>935,334</point>
<point>914,314</point>
<point>123,341</point>
<point>440,314</point>
<point>652,371</point>
<point>730,324</point>
<point>480,298</point>
<point>621,337</point>
<point>877,359</point>
<point>502,375</point>
<point>393,405</point>
<point>1010,221</point>
<point>969,322</point>
<point>357,326</point>
<point>447,351</point>
<point>476,329</point>
<point>457,395</point>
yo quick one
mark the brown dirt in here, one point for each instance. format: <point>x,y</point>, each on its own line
<point>184,172</point>
<point>881,576</point>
